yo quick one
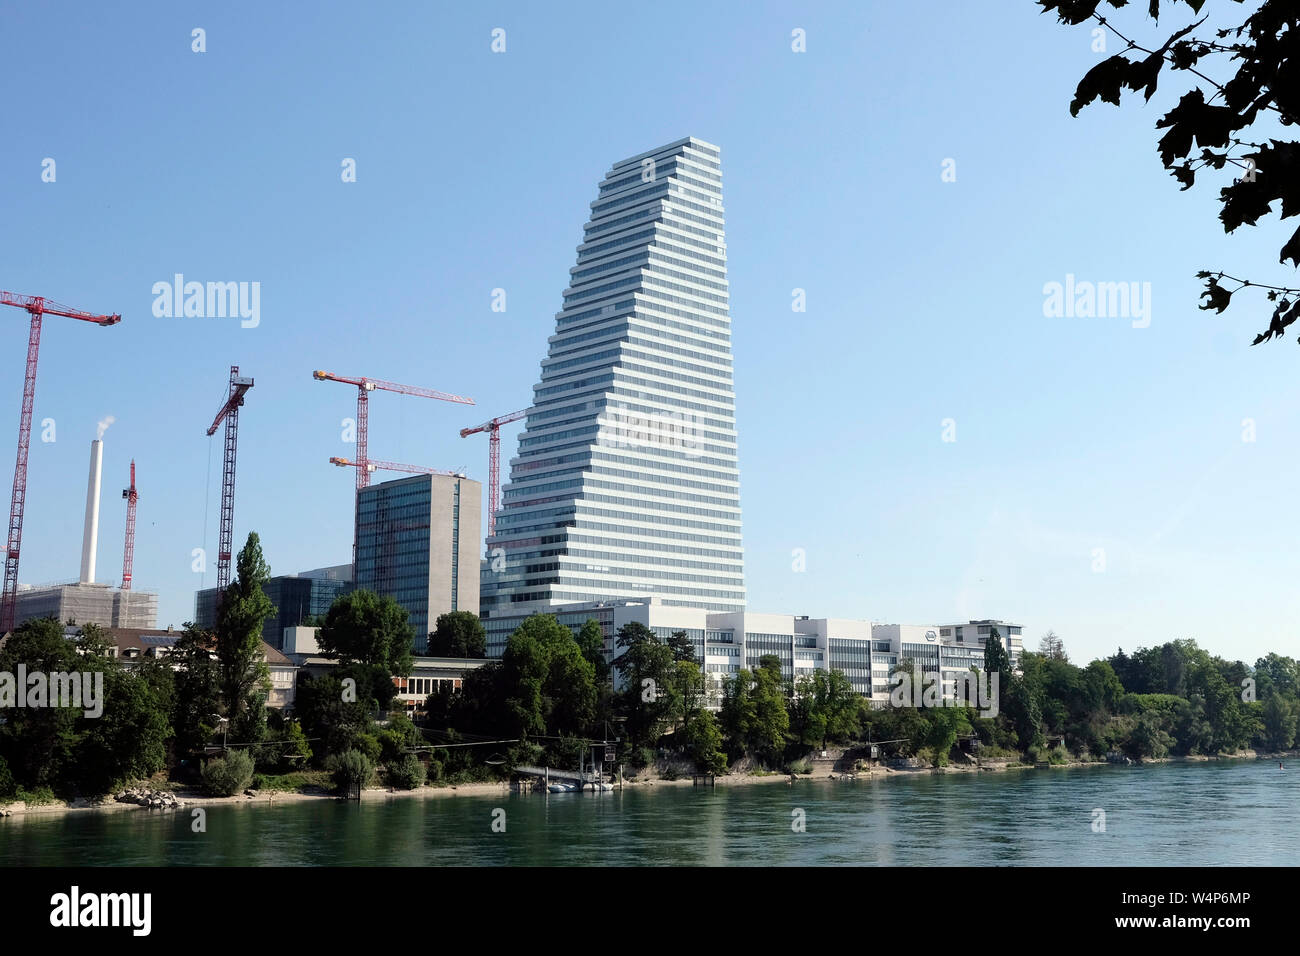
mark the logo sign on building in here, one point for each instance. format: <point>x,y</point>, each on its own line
<point>931,636</point>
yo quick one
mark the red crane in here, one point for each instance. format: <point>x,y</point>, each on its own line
<point>37,307</point>
<point>128,555</point>
<point>493,428</point>
<point>374,464</point>
<point>364,387</point>
<point>230,413</point>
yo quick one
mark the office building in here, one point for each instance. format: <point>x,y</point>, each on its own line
<point>626,483</point>
<point>418,541</point>
<point>297,599</point>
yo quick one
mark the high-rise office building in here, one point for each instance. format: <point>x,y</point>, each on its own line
<point>418,542</point>
<point>297,599</point>
<point>626,482</point>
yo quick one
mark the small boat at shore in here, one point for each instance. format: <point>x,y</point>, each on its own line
<point>561,788</point>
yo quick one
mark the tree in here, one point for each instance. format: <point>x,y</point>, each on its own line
<point>244,606</point>
<point>683,648</point>
<point>1051,646</point>
<point>1220,118</point>
<point>703,742</point>
<point>197,695</point>
<point>645,672</point>
<point>997,661</point>
<point>458,634</point>
<point>364,628</point>
<point>591,640</point>
<point>754,714</point>
<point>826,707</point>
<point>544,684</point>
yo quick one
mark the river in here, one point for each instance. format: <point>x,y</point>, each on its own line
<point>1229,813</point>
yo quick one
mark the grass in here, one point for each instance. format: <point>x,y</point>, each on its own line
<point>35,798</point>
<point>300,781</point>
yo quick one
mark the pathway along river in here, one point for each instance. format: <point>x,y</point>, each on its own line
<point>1240,813</point>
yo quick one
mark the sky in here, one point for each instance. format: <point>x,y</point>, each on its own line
<point>1099,483</point>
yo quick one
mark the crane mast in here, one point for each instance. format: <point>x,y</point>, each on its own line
<point>37,307</point>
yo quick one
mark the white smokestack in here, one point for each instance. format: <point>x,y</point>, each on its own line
<point>90,538</point>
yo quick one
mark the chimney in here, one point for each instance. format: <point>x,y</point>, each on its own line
<point>90,538</point>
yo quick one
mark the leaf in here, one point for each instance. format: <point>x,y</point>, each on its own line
<point>1185,175</point>
<point>1103,82</point>
<point>1219,297</point>
<point>1193,118</point>
<point>1292,249</point>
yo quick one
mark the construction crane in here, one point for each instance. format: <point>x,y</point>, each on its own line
<point>128,555</point>
<point>375,465</point>
<point>37,307</point>
<point>229,412</point>
<point>364,387</point>
<point>493,428</point>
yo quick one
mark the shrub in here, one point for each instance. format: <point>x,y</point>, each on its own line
<point>367,744</point>
<point>803,765</point>
<point>35,798</point>
<point>350,768</point>
<point>641,757</point>
<point>670,773</point>
<point>407,773</point>
<point>229,775</point>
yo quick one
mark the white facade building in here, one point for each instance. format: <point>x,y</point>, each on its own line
<point>626,482</point>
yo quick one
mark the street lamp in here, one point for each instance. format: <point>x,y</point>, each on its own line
<point>225,722</point>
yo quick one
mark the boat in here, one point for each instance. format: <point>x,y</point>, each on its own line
<point>561,788</point>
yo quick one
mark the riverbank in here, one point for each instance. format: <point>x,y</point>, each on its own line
<point>188,800</point>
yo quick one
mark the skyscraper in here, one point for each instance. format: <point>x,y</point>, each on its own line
<point>417,541</point>
<point>626,482</point>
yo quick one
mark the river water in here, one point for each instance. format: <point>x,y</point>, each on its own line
<point>1239,813</point>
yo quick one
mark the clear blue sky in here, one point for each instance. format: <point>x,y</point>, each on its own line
<point>924,298</point>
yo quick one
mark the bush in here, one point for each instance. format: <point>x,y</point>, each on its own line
<point>407,773</point>
<point>350,768</point>
<point>229,775</point>
<point>367,744</point>
<point>803,765</point>
<point>670,773</point>
<point>641,757</point>
<point>35,798</point>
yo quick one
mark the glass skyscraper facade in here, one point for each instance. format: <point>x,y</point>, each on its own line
<point>296,598</point>
<point>626,482</point>
<point>415,536</point>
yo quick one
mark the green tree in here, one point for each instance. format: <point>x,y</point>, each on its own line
<point>591,640</point>
<point>363,628</point>
<point>683,648</point>
<point>828,708</point>
<point>197,689</point>
<point>703,740</point>
<point>996,661</point>
<point>244,606</point>
<point>1255,60</point>
<point>645,672</point>
<point>458,634</point>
